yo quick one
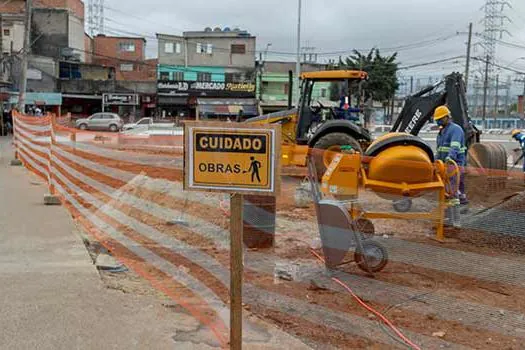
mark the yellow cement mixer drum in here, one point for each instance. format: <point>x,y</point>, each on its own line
<point>400,158</point>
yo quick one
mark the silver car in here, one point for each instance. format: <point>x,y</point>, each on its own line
<point>101,121</point>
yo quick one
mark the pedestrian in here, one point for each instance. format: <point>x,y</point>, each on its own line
<point>451,146</point>
<point>519,136</point>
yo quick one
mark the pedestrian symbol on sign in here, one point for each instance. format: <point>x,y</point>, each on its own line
<point>254,169</point>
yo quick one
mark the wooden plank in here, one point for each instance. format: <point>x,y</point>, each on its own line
<point>236,267</point>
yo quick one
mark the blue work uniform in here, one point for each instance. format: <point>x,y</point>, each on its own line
<point>451,145</point>
<point>521,139</point>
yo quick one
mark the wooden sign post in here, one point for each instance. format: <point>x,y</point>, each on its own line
<point>237,159</point>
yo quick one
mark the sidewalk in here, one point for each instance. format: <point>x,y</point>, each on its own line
<point>52,297</point>
<point>51,294</point>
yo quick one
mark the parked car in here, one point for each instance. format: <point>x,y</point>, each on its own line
<point>101,122</point>
<point>141,123</point>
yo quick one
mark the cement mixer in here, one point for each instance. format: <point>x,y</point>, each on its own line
<point>397,165</point>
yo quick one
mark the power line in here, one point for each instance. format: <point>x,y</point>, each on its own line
<point>431,62</point>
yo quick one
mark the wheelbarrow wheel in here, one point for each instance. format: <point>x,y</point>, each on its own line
<point>376,257</point>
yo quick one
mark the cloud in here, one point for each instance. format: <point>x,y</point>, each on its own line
<point>329,26</point>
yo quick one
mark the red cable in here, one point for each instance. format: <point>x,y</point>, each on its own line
<point>369,308</point>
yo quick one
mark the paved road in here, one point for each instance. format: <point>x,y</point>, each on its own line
<point>51,296</point>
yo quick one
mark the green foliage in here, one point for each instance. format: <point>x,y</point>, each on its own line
<point>383,82</point>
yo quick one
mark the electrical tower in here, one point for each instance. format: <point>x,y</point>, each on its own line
<point>494,22</point>
<point>96,17</point>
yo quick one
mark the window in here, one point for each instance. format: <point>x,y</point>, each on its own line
<point>234,78</point>
<point>168,48</point>
<point>178,76</point>
<point>204,77</point>
<point>127,46</point>
<point>164,76</point>
<point>204,48</point>
<point>7,32</point>
<point>126,67</point>
<point>323,92</point>
<point>238,49</point>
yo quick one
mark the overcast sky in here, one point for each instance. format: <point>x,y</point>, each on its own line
<point>340,26</point>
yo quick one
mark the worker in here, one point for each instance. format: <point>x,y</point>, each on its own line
<point>519,136</point>
<point>451,145</point>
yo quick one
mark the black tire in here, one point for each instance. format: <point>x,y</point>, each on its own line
<point>376,255</point>
<point>113,128</point>
<point>83,126</point>
<point>402,205</point>
<point>331,141</point>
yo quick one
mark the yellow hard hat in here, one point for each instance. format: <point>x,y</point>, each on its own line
<point>441,112</point>
<point>515,132</point>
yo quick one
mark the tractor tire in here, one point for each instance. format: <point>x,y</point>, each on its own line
<point>327,144</point>
<point>489,163</point>
<point>376,256</point>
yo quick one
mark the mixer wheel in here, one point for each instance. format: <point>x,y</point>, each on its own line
<point>402,205</point>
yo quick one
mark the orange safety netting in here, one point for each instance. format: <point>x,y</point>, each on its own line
<point>126,190</point>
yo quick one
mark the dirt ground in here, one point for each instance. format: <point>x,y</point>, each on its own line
<point>293,245</point>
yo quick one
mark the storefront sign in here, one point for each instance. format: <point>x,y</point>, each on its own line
<point>205,89</point>
<point>231,158</point>
<point>120,99</point>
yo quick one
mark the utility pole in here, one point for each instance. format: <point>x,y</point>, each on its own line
<point>25,57</point>
<point>469,45</point>
<point>298,63</point>
<point>260,73</point>
<point>485,88</point>
<point>496,102</point>
<point>411,85</point>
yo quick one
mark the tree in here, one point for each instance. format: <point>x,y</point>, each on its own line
<point>382,73</point>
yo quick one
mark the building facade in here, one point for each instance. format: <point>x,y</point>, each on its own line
<point>126,54</point>
<point>207,74</point>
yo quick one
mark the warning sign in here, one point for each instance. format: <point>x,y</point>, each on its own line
<point>235,158</point>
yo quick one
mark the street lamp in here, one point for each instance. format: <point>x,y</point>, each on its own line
<point>266,51</point>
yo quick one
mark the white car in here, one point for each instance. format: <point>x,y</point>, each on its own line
<point>141,123</point>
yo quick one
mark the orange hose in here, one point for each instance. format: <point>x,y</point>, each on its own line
<point>369,308</point>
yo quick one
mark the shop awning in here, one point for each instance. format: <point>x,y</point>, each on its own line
<point>227,106</point>
<point>39,98</point>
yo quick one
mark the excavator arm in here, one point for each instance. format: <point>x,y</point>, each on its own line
<point>419,108</point>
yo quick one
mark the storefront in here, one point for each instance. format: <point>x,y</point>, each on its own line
<point>125,105</point>
<point>81,106</point>
<point>46,101</point>
<point>206,100</point>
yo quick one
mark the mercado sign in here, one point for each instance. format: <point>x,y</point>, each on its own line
<point>231,158</point>
<point>205,89</point>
